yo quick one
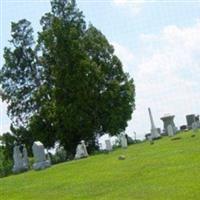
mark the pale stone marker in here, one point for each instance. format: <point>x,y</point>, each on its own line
<point>108,145</point>
<point>154,131</point>
<point>123,141</point>
<point>170,130</point>
<point>25,157</point>
<point>198,124</point>
<point>81,150</point>
<point>40,161</point>
<point>17,157</point>
<point>20,159</point>
<point>168,119</point>
<point>195,126</point>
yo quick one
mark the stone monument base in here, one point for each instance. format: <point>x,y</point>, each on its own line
<point>155,134</point>
<point>41,165</point>
<point>16,170</point>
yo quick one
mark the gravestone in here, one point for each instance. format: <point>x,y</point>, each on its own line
<point>25,157</point>
<point>108,145</point>
<point>168,119</point>
<point>170,130</point>
<point>195,126</point>
<point>123,141</point>
<point>81,151</point>
<point>190,119</point>
<point>154,131</point>
<point>40,161</point>
<point>20,158</point>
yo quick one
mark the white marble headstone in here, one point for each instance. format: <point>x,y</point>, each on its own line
<point>25,157</point>
<point>170,130</point>
<point>81,150</point>
<point>40,161</point>
<point>195,126</point>
<point>20,159</point>
<point>108,145</point>
<point>123,141</point>
<point>154,130</point>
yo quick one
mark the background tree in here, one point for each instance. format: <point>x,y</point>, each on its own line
<point>19,75</point>
<point>76,86</point>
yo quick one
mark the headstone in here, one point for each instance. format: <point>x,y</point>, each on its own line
<point>170,130</point>
<point>195,126</point>
<point>25,157</point>
<point>168,119</point>
<point>20,158</point>
<point>154,131</point>
<point>40,161</point>
<point>108,145</point>
<point>190,119</point>
<point>159,130</point>
<point>81,151</point>
<point>123,141</point>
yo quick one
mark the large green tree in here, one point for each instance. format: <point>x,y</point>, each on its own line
<point>75,85</point>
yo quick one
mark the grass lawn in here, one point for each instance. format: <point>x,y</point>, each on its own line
<point>168,170</point>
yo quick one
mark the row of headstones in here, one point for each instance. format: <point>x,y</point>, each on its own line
<point>170,129</point>
<point>20,155</point>
<point>123,142</point>
<point>81,150</point>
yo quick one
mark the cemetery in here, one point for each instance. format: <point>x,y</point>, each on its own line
<point>133,166</point>
<point>84,116</point>
<point>167,168</point>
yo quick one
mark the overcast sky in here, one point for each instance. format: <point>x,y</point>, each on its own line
<point>158,43</point>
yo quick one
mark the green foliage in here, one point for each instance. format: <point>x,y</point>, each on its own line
<point>5,163</point>
<point>8,140</point>
<point>69,85</point>
<point>19,75</point>
<point>166,170</point>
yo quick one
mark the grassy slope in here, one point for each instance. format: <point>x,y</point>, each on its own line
<point>166,170</point>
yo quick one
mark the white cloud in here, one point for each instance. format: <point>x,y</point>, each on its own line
<point>125,55</point>
<point>134,7</point>
<point>168,80</point>
<point>167,77</point>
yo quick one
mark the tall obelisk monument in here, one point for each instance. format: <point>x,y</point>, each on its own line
<point>154,131</point>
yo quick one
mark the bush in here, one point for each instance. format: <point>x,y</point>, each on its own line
<point>5,164</point>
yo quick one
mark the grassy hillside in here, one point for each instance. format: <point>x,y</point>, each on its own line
<point>168,169</point>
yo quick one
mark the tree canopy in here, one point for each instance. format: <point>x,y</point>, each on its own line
<point>68,85</point>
